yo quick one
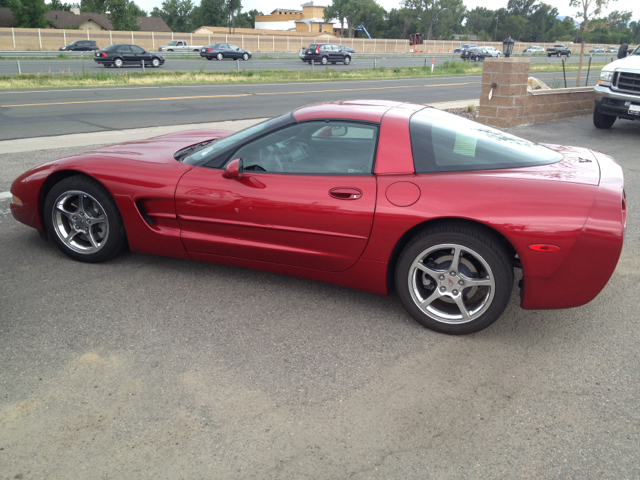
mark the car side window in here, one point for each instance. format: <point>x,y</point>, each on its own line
<point>135,49</point>
<point>313,148</point>
<point>233,47</point>
<point>124,49</point>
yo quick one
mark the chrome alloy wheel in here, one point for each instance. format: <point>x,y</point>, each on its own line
<point>80,222</point>
<point>451,283</point>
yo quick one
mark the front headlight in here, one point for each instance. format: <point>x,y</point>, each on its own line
<point>605,78</point>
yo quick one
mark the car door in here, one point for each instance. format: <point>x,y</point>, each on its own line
<point>234,51</point>
<point>140,54</point>
<point>127,55</point>
<point>306,199</point>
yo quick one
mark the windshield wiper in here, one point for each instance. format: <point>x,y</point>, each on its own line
<point>185,152</point>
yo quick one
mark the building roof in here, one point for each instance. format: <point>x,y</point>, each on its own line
<point>6,18</point>
<point>63,19</point>
<point>285,10</point>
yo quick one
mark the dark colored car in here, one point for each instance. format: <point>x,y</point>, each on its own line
<point>475,54</point>
<point>464,46</point>
<point>367,194</point>
<point>325,53</point>
<point>80,46</point>
<point>558,50</point>
<point>119,55</point>
<point>347,49</point>
<point>224,50</point>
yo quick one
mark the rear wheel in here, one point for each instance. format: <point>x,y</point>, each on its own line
<point>559,54</point>
<point>454,279</point>
<point>602,120</point>
<point>209,58</point>
<point>83,220</point>
<point>324,60</point>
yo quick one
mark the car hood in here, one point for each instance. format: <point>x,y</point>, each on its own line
<point>157,149</point>
<point>632,62</point>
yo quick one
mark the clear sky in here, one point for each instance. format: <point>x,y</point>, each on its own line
<point>267,6</point>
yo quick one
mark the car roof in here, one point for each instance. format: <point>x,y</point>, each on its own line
<point>367,110</point>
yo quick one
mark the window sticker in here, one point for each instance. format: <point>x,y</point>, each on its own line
<point>465,145</point>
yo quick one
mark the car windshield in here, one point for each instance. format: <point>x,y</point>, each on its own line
<point>171,43</point>
<point>212,150</point>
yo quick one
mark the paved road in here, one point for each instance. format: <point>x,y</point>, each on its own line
<point>148,367</point>
<point>50,66</point>
<point>25,114</point>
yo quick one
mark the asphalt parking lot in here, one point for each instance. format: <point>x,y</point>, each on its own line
<point>148,367</point>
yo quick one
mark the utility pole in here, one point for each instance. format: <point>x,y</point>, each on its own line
<point>495,37</point>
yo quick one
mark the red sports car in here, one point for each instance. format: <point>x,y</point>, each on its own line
<point>373,195</point>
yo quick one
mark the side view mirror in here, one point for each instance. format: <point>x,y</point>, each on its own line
<point>233,169</point>
<point>622,51</point>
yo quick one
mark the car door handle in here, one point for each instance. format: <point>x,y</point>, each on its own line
<point>346,193</point>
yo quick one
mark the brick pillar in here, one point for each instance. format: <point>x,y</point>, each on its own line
<point>506,107</point>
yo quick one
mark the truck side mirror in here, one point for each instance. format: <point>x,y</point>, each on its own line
<point>622,51</point>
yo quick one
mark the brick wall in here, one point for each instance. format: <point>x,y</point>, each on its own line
<point>510,103</point>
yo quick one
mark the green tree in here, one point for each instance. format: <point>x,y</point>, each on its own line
<point>123,14</point>
<point>210,12</point>
<point>541,21</point>
<point>29,13</point>
<point>247,19</point>
<point>176,13</point>
<point>372,16</point>
<point>588,10</point>
<point>429,12</point>
<point>481,19</point>
<point>59,6</point>
<point>343,10</point>
<point>513,25</point>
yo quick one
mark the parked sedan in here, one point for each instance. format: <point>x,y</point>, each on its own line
<point>118,55</point>
<point>80,46</point>
<point>464,46</point>
<point>475,54</point>
<point>220,51</point>
<point>533,49</point>
<point>494,52</point>
<point>325,53</point>
<point>368,194</point>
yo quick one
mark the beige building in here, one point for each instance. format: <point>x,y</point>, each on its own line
<point>309,19</point>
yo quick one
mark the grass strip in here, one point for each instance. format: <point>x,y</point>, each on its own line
<point>199,77</point>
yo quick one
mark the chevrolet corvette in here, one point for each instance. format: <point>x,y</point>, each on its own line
<point>373,195</point>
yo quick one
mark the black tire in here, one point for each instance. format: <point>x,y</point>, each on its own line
<point>104,239</point>
<point>118,62</point>
<point>245,56</point>
<point>559,54</point>
<point>209,58</point>
<point>568,54</point>
<point>196,50</point>
<point>485,279</point>
<point>155,62</point>
<point>602,120</point>
<point>219,56</point>
<point>324,60</point>
<point>347,60</point>
<point>170,50</point>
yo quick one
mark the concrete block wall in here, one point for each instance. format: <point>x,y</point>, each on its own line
<point>511,105</point>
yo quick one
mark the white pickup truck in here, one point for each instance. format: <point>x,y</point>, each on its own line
<point>617,94</point>
<point>179,46</point>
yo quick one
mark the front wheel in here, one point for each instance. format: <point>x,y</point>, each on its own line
<point>83,220</point>
<point>347,60</point>
<point>155,62</point>
<point>219,57</point>
<point>118,62</point>
<point>498,54</point>
<point>602,120</point>
<point>568,54</point>
<point>245,56</point>
<point>454,279</point>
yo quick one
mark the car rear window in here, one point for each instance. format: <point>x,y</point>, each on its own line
<point>442,142</point>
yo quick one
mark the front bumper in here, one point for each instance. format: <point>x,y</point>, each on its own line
<point>615,103</point>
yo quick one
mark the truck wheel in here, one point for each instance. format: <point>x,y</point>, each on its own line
<point>196,50</point>
<point>170,50</point>
<point>568,54</point>
<point>602,120</point>
<point>558,54</point>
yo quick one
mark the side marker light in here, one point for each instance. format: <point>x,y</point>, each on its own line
<point>541,247</point>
